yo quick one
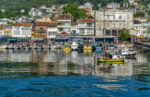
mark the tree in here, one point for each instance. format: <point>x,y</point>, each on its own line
<point>148,30</point>
<point>139,14</point>
<point>125,34</point>
<point>76,12</point>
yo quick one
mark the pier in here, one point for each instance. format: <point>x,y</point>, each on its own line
<point>143,46</point>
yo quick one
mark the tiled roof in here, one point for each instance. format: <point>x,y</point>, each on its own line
<point>142,18</point>
<point>74,24</point>
<point>8,25</point>
<point>64,16</point>
<point>87,20</point>
<point>45,24</point>
<point>27,24</point>
<point>18,24</point>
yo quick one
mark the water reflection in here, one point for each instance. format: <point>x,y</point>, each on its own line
<point>59,63</point>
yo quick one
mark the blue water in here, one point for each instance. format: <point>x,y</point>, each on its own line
<point>30,78</point>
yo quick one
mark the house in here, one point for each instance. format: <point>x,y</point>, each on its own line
<point>8,30</point>
<point>52,30</point>
<point>22,30</point>
<point>40,30</point>
<point>35,12</point>
<point>113,5</point>
<point>131,2</point>
<point>88,7</point>
<point>111,21</point>
<point>44,19</point>
<point>4,21</point>
<point>1,31</point>
<point>64,24</point>
<point>74,28</point>
<point>86,27</point>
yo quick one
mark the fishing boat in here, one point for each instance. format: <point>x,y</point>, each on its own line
<point>126,52</point>
<point>74,46</point>
<point>99,48</point>
<point>112,59</point>
<point>67,48</point>
<point>87,47</point>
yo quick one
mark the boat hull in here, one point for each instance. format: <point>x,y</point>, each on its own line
<point>110,60</point>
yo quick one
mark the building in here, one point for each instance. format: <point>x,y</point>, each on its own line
<point>111,21</point>
<point>40,30</point>
<point>44,19</point>
<point>35,12</point>
<point>64,24</point>
<point>52,30</point>
<point>131,2</point>
<point>22,30</point>
<point>86,27</point>
<point>88,7</point>
<point>1,31</point>
<point>113,5</point>
<point>8,30</point>
<point>74,29</point>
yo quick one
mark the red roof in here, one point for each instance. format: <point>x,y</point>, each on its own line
<point>45,24</point>
<point>64,16</point>
<point>18,24</point>
<point>87,20</point>
<point>74,24</point>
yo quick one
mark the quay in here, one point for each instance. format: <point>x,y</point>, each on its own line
<point>142,46</point>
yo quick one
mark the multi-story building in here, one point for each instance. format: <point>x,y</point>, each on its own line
<point>112,21</point>
<point>74,29</point>
<point>1,31</point>
<point>64,24</point>
<point>86,27</point>
<point>40,30</point>
<point>52,30</point>
<point>8,30</point>
<point>22,30</point>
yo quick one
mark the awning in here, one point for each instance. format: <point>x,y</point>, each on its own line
<point>4,37</point>
<point>12,39</point>
<point>37,39</point>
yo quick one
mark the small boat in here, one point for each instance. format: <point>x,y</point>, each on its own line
<point>126,52</point>
<point>112,59</point>
<point>87,47</point>
<point>3,47</point>
<point>74,46</point>
<point>66,48</point>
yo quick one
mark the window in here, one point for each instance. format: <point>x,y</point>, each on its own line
<point>81,31</point>
<point>90,30</point>
<point>51,33</point>
<point>120,17</point>
<point>89,24</point>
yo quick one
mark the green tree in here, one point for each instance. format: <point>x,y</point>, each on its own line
<point>74,11</point>
<point>139,14</point>
<point>125,34</point>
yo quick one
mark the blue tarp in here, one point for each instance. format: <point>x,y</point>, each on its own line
<point>4,37</point>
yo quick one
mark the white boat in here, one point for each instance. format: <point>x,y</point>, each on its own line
<point>74,46</point>
<point>126,52</point>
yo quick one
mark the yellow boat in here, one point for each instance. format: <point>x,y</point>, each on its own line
<point>87,51</point>
<point>67,48</point>
<point>109,60</point>
<point>87,47</point>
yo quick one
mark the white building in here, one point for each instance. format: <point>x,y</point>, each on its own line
<point>112,21</point>
<point>22,30</point>
<point>64,24</point>
<point>131,2</point>
<point>52,30</point>
<point>113,5</point>
<point>35,12</point>
<point>1,31</point>
<point>74,29</point>
<point>86,27</point>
